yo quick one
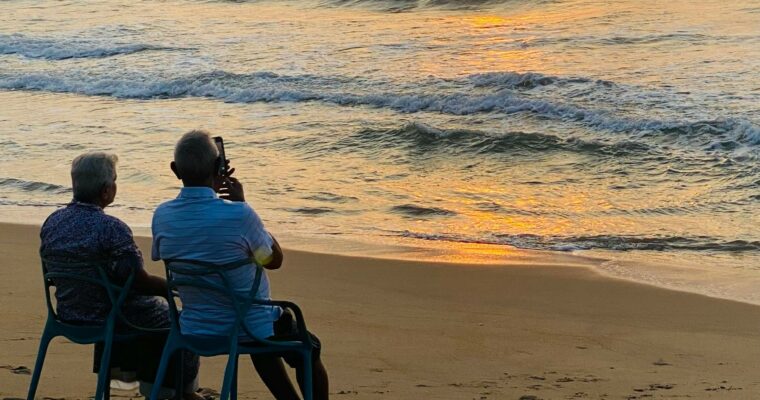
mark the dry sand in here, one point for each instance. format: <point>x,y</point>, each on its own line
<point>414,330</point>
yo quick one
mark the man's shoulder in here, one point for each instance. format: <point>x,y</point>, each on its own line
<point>163,213</point>
<point>225,210</point>
<point>212,208</point>
<point>163,207</point>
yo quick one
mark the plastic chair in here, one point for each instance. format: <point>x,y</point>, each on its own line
<point>190,273</point>
<point>90,333</point>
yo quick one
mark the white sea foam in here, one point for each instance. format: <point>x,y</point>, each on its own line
<point>430,96</point>
<point>33,186</point>
<point>61,49</point>
<point>599,242</point>
<point>695,273</point>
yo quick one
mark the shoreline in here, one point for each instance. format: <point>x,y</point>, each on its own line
<point>661,270</point>
<point>411,329</point>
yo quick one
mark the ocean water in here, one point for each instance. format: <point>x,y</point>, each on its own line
<point>625,130</point>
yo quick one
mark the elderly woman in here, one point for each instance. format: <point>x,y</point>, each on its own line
<point>83,232</point>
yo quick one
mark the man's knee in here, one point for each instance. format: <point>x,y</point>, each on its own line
<point>266,361</point>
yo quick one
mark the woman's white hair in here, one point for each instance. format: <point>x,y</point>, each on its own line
<point>195,155</point>
<point>90,173</point>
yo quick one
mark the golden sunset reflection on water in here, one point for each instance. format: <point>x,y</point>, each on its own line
<point>569,126</point>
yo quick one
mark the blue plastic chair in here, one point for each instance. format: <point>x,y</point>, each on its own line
<point>191,273</point>
<point>90,333</point>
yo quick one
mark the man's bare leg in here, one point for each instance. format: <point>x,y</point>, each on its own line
<point>320,383</point>
<point>272,372</point>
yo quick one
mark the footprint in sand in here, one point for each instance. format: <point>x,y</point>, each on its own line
<point>19,339</point>
<point>721,387</point>
<point>653,387</point>
<point>534,387</point>
<point>20,370</point>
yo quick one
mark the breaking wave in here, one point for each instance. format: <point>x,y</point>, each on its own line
<point>528,80</point>
<point>600,242</point>
<point>419,137</point>
<point>52,49</point>
<point>502,92</point>
<point>685,38</point>
<point>32,186</point>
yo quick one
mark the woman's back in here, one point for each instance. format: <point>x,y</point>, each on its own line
<point>83,233</point>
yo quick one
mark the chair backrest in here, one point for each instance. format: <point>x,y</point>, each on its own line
<point>192,273</point>
<point>93,276</point>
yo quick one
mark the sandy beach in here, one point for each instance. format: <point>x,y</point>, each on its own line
<point>477,199</point>
<point>414,330</point>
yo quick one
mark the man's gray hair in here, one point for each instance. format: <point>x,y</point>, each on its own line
<point>195,155</point>
<point>90,173</point>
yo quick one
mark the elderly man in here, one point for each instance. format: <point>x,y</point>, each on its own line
<point>83,232</point>
<point>199,225</point>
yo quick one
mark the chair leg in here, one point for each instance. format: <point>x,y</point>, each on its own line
<point>44,343</point>
<point>234,389</point>
<point>107,389</point>
<point>166,356</point>
<point>308,374</point>
<point>105,370</point>
<point>179,386</point>
<point>229,373</point>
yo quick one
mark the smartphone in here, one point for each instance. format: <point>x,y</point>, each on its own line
<point>223,164</point>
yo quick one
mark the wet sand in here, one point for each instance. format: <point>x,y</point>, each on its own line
<point>421,330</point>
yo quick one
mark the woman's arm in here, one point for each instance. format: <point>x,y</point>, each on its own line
<point>149,285</point>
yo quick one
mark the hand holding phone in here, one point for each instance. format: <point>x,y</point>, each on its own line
<point>224,164</point>
<point>232,190</point>
<point>229,188</point>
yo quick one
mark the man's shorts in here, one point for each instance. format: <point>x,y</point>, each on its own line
<point>285,328</point>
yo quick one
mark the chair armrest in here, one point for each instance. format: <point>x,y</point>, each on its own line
<point>300,322</point>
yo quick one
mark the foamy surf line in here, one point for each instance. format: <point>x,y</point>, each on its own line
<point>33,186</point>
<point>63,49</point>
<point>620,243</point>
<point>494,93</point>
<point>598,242</point>
<point>689,277</point>
<point>685,273</point>
<point>679,264</point>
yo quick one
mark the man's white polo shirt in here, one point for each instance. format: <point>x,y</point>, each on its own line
<point>200,226</point>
